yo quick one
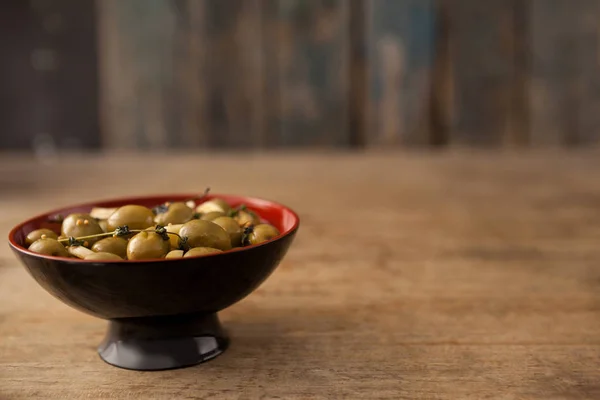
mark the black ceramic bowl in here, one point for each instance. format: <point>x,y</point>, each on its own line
<point>162,313</point>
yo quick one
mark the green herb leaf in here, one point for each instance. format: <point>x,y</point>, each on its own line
<point>162,231</point>
<point>206,191</point>
<point>75,242</point>
<point>235,211</point>
<point>246,235</point>
<point>160,209</point>
<point>199,197</point>
<point>122,231</point>
<point>183,244</point>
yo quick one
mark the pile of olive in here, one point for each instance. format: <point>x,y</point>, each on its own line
<point>169,230</point>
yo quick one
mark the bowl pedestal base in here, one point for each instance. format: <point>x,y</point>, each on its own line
<point>159,343</point>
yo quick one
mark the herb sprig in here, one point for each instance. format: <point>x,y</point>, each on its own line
<point>121,231</point>
<point>163,208</point>
<point>246,235</point>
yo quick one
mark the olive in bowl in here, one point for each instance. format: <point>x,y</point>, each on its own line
<point>162,312</point>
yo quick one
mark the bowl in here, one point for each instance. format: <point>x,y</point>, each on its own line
<point>162,313</point>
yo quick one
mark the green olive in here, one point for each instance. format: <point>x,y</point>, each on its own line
<point>262,233</point>
<point>232,228</point>
<point>49,247</point>
<point>213,205</point>
<point>174,239</point>
<point>39,234</point>
<point>103,224</point>
<point>174,254</point>
<point>212,215</point>
<point>201,233</point>
<point>246,217</point>
<point>201,251</point>
<point>134,216</point>
<point>112,244</point>
<point>177,213</point>
<point>102,256</point>
<point>77,225</point>
<point>147,245</point>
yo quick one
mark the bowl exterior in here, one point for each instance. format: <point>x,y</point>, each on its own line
<point>182,286</point>
<point>196,285</point>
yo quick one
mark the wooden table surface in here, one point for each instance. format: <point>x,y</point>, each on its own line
<point>413,276</point>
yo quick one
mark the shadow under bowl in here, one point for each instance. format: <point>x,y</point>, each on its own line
<point>162,313</point>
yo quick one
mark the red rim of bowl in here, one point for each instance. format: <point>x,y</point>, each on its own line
<point>131,200</point>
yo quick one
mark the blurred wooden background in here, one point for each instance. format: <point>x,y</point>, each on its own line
<point>299,73</point>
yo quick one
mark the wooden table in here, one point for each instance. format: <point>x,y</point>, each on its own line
<point>413,276</point>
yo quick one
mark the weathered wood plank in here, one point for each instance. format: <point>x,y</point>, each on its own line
<point>565,72</point>
<point>234,77</point>
<point>307,68</point>
<point>519,130</point>
<point>225,74</point>
<point>358,74</point>
<point>400,57</point>
<point>272,73</point>
<point>442,79</point>
<point>136,40</point>
<point>48,85</point>
<point>182,73</point>
<point>488,76</point>
<point>187,95</point>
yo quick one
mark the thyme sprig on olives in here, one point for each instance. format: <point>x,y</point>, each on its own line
<point>200,196</point>
<point>183,243</point>
<point>162,231</point>
<point>235,211</point>
<point>75,242</point>
<point>120,231</point>
<point>246,235</point>
<point>163,208</point>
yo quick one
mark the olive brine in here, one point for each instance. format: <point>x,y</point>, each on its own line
<point>169,230</point>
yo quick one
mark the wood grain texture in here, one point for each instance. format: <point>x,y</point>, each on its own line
<point>490,105</point>
<point>136,39</point>
<point>235,77</point>
<point>358,74</point>
<point>307,66</point>
<point>48,84</point>
<point>299,73</point>
<point>180,73</point>
<point>401,51</point>
<point>233,74</point>
<point>565,70</point>
<point>413,277</point>
<point>442,79</point>
<point>519,131</point>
